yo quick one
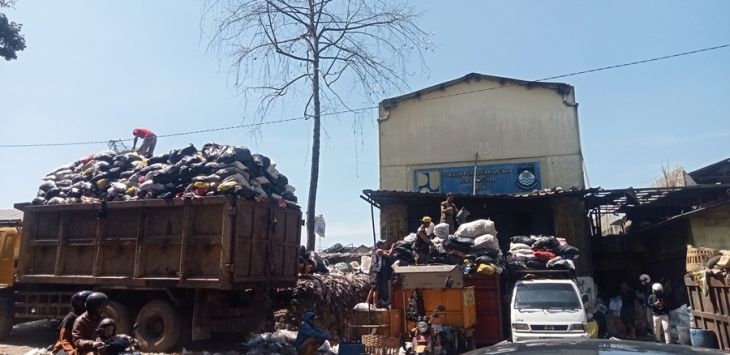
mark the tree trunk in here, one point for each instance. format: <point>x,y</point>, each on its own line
<point>314,176</point>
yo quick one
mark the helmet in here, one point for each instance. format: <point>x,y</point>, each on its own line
<point>106,322</point>
<point>644,279</point>
<point>657,287</point>
<point>426,219</point>
<point>78,301</point>
<point>309,316</point>
<point>94,300</point>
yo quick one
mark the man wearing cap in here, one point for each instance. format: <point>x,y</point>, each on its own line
<point>149,141</point>
<point>422,245</point>
<point>309,336</point>
<point>380,273</point>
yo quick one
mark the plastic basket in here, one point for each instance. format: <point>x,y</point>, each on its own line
<point>380,345</point>
<point>698,257</point>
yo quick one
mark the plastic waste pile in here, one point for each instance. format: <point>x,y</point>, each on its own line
<point>278,342</point>
<point>331,297</point>
<point>475,246</point>
<point>187,172</point>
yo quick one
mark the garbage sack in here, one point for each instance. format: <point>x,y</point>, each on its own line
<point>522,240</point>
<point>545,242</point>
<point>567,251</point>
<point>441,230</point>
<point>462,215</point>
<point>487,240</point>
<point>476,228</point>
<point>411,238</point>
<point>485,269</point>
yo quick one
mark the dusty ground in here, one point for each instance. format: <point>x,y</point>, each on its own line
<point>40,334</point>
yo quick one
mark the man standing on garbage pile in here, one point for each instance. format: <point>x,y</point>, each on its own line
<point>628,309</point>
<point>659,304</point>
<point>84,330</point>
<point>309,336</point>
<point>645,281</point>
<point>423,244</point>
<point>448,212</point>
<point>149,141</point>
<point>78,307</point>
<point>380,274</point>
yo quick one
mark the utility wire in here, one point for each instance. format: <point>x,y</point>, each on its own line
<point>302,118</point>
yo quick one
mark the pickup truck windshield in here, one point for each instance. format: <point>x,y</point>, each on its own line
<point>546,296</point>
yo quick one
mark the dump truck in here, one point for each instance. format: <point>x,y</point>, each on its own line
<point>180,269</point>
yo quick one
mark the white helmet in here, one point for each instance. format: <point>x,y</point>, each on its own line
<point>644,279</point>
<point>657,287</point>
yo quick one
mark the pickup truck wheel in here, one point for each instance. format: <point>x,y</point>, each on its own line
<point>158,327</point>
<point>120,313</point>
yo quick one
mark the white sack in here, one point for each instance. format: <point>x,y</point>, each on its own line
<point>441,230</point>
<point>488,240</point>
<point>476,228</point>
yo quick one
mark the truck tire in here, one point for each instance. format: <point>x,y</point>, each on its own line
<point>158,327</point>
<point>120,313</point>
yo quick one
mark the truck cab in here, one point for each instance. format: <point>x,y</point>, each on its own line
<point>545,308</point>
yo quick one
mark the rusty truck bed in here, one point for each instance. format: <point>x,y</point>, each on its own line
<point>210,242</point>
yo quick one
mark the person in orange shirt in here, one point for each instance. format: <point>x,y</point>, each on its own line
<point>65,341</point>
<point>149,141</point>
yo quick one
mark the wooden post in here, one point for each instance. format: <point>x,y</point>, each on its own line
<point>187,230</point>
<point>61,242</point>
<point>98,257</point>
<point>139,243</point>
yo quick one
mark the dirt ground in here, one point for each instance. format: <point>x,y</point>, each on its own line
<point>40,334</point>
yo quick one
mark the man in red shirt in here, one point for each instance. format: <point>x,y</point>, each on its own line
<point>149,140</point>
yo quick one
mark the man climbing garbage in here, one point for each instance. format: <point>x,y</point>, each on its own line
<point>659,304</point>
<point>149,141</point>
<point>84,330</point>
<point>65,340</point>
<point>422,245</point>
<point>309,337</point>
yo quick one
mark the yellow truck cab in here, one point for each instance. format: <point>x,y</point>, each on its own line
<point>9,248</point>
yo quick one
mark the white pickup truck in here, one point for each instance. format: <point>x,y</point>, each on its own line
<point>544,308</point>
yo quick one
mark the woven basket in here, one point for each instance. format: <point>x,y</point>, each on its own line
<point>698,257</point>
<point>381,345</point>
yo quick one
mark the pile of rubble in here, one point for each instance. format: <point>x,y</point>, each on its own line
<point>187,172</point>
<point>332,297</point>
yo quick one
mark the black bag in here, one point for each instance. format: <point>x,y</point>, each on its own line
<point>415,308</point>
<point>160,159</point>
<point>522,239</point>
<point>484,259</point>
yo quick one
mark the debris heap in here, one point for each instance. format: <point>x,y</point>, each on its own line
<point>186,172</point>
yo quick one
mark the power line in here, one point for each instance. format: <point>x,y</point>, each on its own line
<point>301,118</point>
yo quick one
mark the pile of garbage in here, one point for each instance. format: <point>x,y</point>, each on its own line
<point>187,172</point>
<point>331,297</point>
<point>278,342</point>
<point>475,246</point>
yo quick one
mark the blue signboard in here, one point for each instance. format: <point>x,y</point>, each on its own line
<point>491,179</point>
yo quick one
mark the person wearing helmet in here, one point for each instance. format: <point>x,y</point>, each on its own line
<point>149,141</point>
<point>65,340</point>
<point>659,304</point>
<point>423,244</point>
<point>309,337</point>
<point>84,330</point>
<point>113,343</point>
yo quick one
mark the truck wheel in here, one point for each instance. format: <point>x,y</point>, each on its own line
<point>120,314</point>
<point>7,314</point>
<point>158,327</point>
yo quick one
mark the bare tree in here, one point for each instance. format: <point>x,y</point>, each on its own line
<point>281,47</point>
<point>671,177</point>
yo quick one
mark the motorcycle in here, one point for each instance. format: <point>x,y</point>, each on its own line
<point>426,340</point>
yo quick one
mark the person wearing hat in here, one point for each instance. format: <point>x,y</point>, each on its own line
<point>84,329</point>
<point>149,141</point>
<point>380,275</point>
<point>309,336</point>
<point>659,304</point>
<point>448,212</point>
<point>423,244</point>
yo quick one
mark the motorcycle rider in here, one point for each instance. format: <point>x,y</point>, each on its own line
<point>65,340</point>
<point>84,330</point>
<point>310,337</point>
<point>113,343</point>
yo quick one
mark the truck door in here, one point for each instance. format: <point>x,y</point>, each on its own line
<point>9,245</point>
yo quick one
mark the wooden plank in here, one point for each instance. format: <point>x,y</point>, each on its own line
<point>139,249</point>
<point>98,264</point>
<point>228,235</point>
<point>187,230</point>
<point>58,269</point>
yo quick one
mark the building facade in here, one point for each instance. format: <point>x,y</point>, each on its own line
<point>481,134</point>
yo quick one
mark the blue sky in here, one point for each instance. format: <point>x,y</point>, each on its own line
<point>93,70</point>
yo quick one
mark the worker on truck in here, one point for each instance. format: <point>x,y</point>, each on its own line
<point>84,333</point>
<point>149,141</point>
<point>78,307</point>
<point>423,244</point>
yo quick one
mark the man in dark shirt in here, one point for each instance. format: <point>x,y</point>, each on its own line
<point>448,212</point>
<point>659,304</point>
<point>628,309</point>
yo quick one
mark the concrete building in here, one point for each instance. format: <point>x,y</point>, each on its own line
<point>520,135</point>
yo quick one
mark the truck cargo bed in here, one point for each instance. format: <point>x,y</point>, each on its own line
<point>210,242</point>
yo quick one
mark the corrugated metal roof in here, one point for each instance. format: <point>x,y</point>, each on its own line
<point>10,215</point>
<point>560,87</point>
